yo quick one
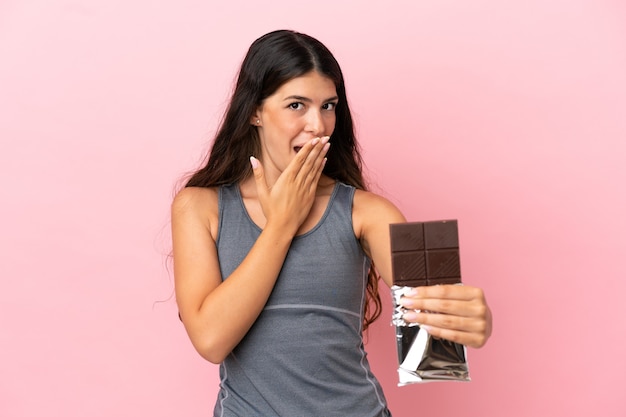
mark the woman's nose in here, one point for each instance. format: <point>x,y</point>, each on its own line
<point>315,123</point>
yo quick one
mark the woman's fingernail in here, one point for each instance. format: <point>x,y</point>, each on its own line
<point>410,316</point>
<point>325,139</point>
<point>412,292</point>
<point>326,146</point>
<point>314,141</point>
<point>406,302</point>
<point>254,162</point>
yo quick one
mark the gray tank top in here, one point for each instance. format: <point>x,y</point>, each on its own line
<point>304,355</point>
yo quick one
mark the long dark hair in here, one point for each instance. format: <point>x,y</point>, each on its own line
<point>271,61</point>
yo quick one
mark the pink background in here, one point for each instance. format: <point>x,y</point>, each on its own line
<point>510,116</point>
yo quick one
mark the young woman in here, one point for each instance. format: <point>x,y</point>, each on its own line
<point>278,246</point>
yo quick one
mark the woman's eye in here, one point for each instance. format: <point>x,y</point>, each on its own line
<point>296,106</point>
<point>329,106</point>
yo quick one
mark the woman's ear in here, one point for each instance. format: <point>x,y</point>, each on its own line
<point>255,120</point>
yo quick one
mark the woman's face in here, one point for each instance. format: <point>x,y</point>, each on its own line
<point>300,110</point>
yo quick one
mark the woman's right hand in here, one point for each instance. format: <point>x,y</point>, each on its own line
<point>287,203</point>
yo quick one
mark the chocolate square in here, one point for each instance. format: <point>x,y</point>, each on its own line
<point>409,267</point>
<point>441,235</point>
<point>425,253</point>
<point>407,238</point>
<point>443,263</point>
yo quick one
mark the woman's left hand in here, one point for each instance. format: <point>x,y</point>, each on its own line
<point>458,313</point>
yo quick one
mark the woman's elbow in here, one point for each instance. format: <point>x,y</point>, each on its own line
<point>213,356</point>
<point>211,350</point>
<point>206,340</point>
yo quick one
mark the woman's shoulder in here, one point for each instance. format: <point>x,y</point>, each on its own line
<point>195,209</point>
<point>196,200</point>
<point>368,201</point>
<point>369,208</point>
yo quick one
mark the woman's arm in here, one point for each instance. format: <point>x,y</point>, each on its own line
<point>217,314</point>
<point>457,312</point>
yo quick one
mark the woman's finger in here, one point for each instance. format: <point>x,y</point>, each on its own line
<point>461,308</point>
<point>475,340</point>
<point>313,160</point>
<point>447,321</point>
<point>448,292</point>
<point>315,172</point>
<point>296,165</point>
<point>259,178</point>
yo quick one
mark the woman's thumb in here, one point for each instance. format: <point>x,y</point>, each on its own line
<point>259,176</point>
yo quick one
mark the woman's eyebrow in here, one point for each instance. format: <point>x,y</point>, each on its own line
<point>308,100</point>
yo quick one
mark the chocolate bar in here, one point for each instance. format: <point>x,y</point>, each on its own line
<point>425,253</point>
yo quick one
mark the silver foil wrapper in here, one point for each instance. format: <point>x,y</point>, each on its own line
<point>421,357</point>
